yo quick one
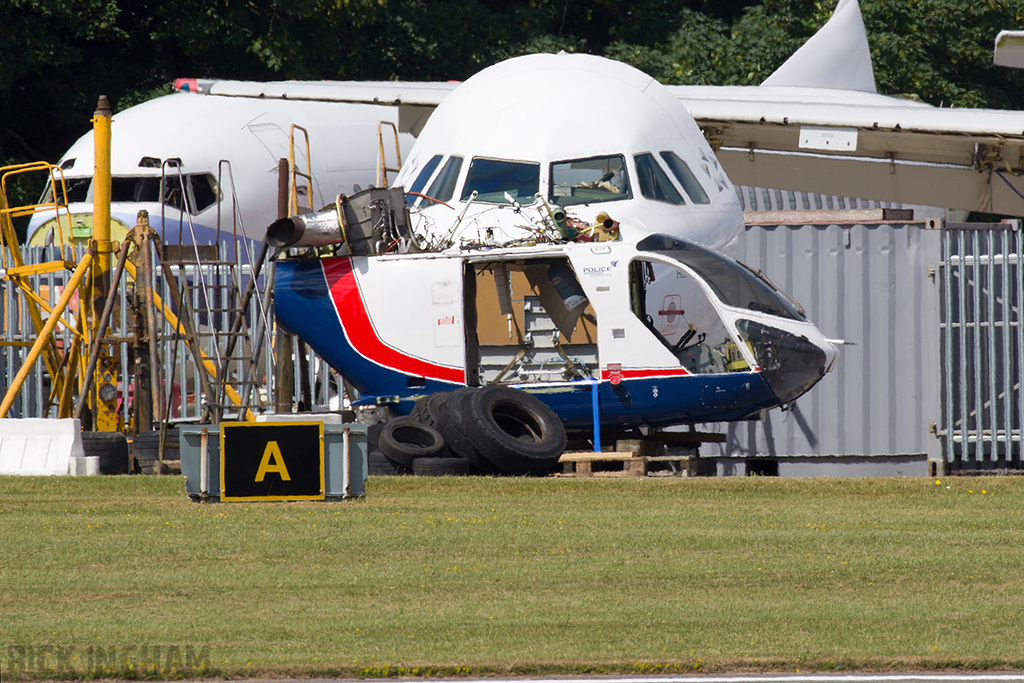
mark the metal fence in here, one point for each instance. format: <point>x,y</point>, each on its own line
<point>207,294</point>
<point>982,342</point>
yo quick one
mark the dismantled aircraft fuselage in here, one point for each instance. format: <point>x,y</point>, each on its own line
<point>659,332</point>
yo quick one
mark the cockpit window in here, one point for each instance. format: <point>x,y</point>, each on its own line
<point>77,191</point>
<point>443,186</point>
<point>200,191</point>
<point>674,307</point>
<point>583,181</point>
<point>686,178</point>
<point>734,284</point>
<point>421,179</point>
<point>204,191</point>
<point>654,182</point>
<point>493,179</point>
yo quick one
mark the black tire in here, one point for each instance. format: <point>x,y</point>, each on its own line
<point>428,409</point>
<point>404,440</point>
<point>379,466</point>
<point>112,449</point>
<point>418,409</point>
<point>515,431</point>
<point>146,450</point>
<point>440,467</point>
<point>373,436</point>
<point>450,424</point>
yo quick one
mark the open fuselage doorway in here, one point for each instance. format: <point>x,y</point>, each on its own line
<point>530,322</point>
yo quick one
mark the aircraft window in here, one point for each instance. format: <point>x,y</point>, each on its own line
<point>654,183</point>
<point>421,180</point>
<point>582,181</point>
<point>734,284</point>
<point>778,353</point>
<point>675,308</point>
<point>492,178</point>
<point>202,189</point>
<point>443,186</point>
<point>686,178</point>
<point>135,189</point>
<point>77,191</point>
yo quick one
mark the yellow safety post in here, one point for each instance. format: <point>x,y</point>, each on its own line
<point>107,370</point>
<point>46,333</point>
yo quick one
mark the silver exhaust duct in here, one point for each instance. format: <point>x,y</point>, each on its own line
<point>369,222</point>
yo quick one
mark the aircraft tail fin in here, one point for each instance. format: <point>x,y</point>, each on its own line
<point>837,56</point>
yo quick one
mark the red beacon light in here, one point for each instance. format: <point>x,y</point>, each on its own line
<point>187,85</point>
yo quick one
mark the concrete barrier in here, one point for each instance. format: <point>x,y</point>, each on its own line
<point>41,446</point>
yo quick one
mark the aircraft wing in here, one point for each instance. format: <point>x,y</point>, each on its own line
<point>861,144</point>
<point>415,100</point>
<point>811,139</point>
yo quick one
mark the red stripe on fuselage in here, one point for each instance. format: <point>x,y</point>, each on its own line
<point>649,373</point>
<point>355,321</point>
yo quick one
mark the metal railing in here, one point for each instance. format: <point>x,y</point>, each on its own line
<point>180,372</point>
<point>982,344</point>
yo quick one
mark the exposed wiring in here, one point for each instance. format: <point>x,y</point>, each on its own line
<point>1009,184</point>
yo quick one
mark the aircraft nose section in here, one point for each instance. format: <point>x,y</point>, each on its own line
<point>790,361</point>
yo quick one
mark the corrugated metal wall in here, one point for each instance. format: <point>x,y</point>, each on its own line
<point>762,199</point>
<point>875,287</point>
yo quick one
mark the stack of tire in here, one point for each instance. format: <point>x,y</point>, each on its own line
<point>146,450</point>
<point>489,430</point>
<point>111,448</point>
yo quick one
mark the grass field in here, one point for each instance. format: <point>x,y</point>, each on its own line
<point>124,577</point>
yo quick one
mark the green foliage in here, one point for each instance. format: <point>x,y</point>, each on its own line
<point>691,54</point>
<point>58,56</point>
<point>941,50</point>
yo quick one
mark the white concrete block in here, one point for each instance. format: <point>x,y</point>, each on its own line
<point>326,418</point>
<point>87,466</point>
<point>40,446</point>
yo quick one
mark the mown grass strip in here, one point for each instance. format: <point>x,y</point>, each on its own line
<point>124,577</point>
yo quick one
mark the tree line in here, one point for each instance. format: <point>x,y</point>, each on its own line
<point>58,56</point>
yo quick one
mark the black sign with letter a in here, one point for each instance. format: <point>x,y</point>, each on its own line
<point>272,461</point>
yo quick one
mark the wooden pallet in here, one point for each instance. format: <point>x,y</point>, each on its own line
<point>581,463</point>
<point>633,456</point>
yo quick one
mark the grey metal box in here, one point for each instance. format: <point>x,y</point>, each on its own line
<point>334,458</point>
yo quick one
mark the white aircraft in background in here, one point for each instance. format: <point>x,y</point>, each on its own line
<point>816,125</point>
<point>204,161</point>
